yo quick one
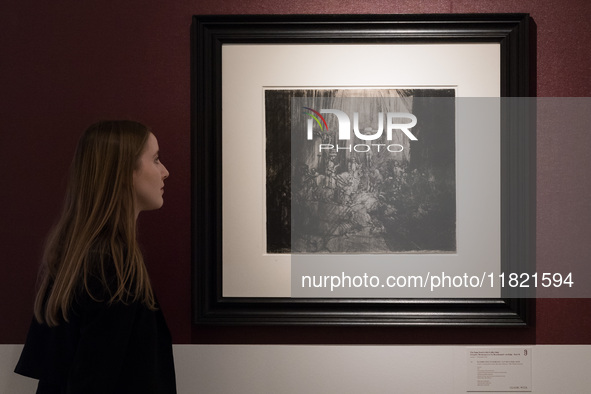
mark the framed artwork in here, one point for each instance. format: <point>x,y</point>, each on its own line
<point>258,200</point>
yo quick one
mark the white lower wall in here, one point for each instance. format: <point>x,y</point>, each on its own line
<point>286,369</point>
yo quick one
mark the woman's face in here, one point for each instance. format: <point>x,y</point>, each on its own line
<point>148,178</point>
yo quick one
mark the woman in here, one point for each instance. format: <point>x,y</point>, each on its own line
<point>97,325</point>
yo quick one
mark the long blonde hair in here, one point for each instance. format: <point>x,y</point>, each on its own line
<point>95,237</point>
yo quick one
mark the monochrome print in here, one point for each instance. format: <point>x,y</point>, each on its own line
<point>375,190</point>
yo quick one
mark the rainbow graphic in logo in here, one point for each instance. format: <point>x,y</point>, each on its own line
<point>318,118</point>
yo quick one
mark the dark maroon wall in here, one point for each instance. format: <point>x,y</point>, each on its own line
<point>66,64</point>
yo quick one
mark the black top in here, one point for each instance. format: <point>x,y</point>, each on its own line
<point>103,349</point>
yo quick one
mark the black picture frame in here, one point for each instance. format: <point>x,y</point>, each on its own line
<point>211,32</point>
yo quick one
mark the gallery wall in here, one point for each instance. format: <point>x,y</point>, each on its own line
<point>64,65</point>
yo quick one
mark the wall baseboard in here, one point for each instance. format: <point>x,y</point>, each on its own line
<point>296,369</point>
